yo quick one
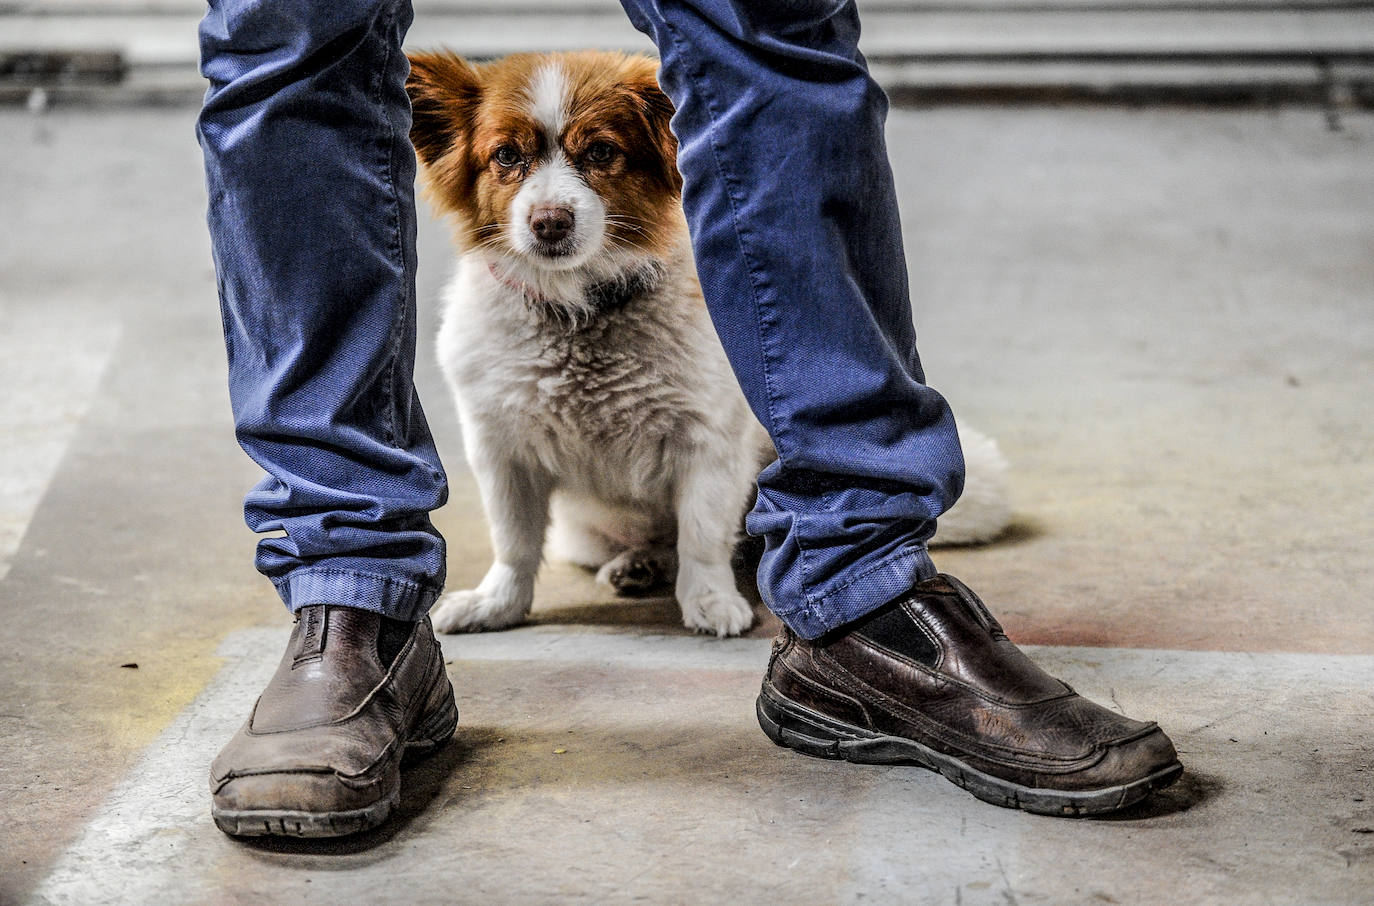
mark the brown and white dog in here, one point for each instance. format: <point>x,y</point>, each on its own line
<point>595,399</point>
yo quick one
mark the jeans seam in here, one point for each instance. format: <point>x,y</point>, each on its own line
<point>225,326</point>
<point>383,26</point>
<point>776,427</point>
<point>905,555</point>
<point>818,602</point>
<point>339,571</point>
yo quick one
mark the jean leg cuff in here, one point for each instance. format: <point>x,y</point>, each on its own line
<point>400,599</point>
<point>864,593</point>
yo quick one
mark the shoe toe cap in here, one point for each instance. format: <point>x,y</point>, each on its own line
<point>1131,761</point>
<point>314,791</point>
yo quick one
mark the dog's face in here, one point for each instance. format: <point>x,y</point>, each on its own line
<point>549,161</point>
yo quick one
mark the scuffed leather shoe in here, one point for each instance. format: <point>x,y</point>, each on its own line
<point>320,756</point>
<point>931,680</point>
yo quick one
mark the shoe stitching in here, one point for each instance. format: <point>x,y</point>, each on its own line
<point>956,739</point>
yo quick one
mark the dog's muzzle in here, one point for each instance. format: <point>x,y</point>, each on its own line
<point>552,227</point>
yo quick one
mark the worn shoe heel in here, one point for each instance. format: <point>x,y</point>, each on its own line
<point>806,732</point>
<point>436,730</point>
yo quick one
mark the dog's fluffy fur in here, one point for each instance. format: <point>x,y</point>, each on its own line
<point>594,396</point>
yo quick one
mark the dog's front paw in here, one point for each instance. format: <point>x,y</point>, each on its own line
<point>477,611</point>
<point>721,612</point>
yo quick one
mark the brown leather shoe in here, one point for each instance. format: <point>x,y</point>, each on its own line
<point>320,756</point>
<point>931,680</point>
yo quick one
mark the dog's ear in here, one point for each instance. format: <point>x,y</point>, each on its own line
<point>444,92</point>
<point>657,110</point>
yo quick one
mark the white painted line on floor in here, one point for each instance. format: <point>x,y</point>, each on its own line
<point>628,649</point>
<point>129,852</point>
<point>50,369</point>
<point>153,838</point>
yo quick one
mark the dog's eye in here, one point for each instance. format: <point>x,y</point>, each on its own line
<point>600,152</point>
<point>507,156</point>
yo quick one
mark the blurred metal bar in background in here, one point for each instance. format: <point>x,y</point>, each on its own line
<point>922,51</point>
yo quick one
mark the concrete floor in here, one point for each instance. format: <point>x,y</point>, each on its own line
<point>1165,316</point>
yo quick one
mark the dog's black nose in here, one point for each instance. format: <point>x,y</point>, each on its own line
<point>551,224</point>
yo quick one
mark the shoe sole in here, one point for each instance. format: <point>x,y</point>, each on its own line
<point>437,729</point>
<point>797,727</point>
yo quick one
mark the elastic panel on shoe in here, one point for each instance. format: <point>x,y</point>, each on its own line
<point>391,638</point>
<point>892,628</point>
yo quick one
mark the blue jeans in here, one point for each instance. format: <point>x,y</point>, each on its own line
<point>793,217</point>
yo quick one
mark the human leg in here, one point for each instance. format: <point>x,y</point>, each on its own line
<point>312,220</point>
<point>793,216</point>
<point>310,175</point>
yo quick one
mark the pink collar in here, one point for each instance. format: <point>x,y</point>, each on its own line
<point>518,286</point>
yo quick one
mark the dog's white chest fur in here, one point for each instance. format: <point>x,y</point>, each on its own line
<point>608,408</point>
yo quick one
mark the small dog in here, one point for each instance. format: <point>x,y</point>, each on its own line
<point>595,398</point>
